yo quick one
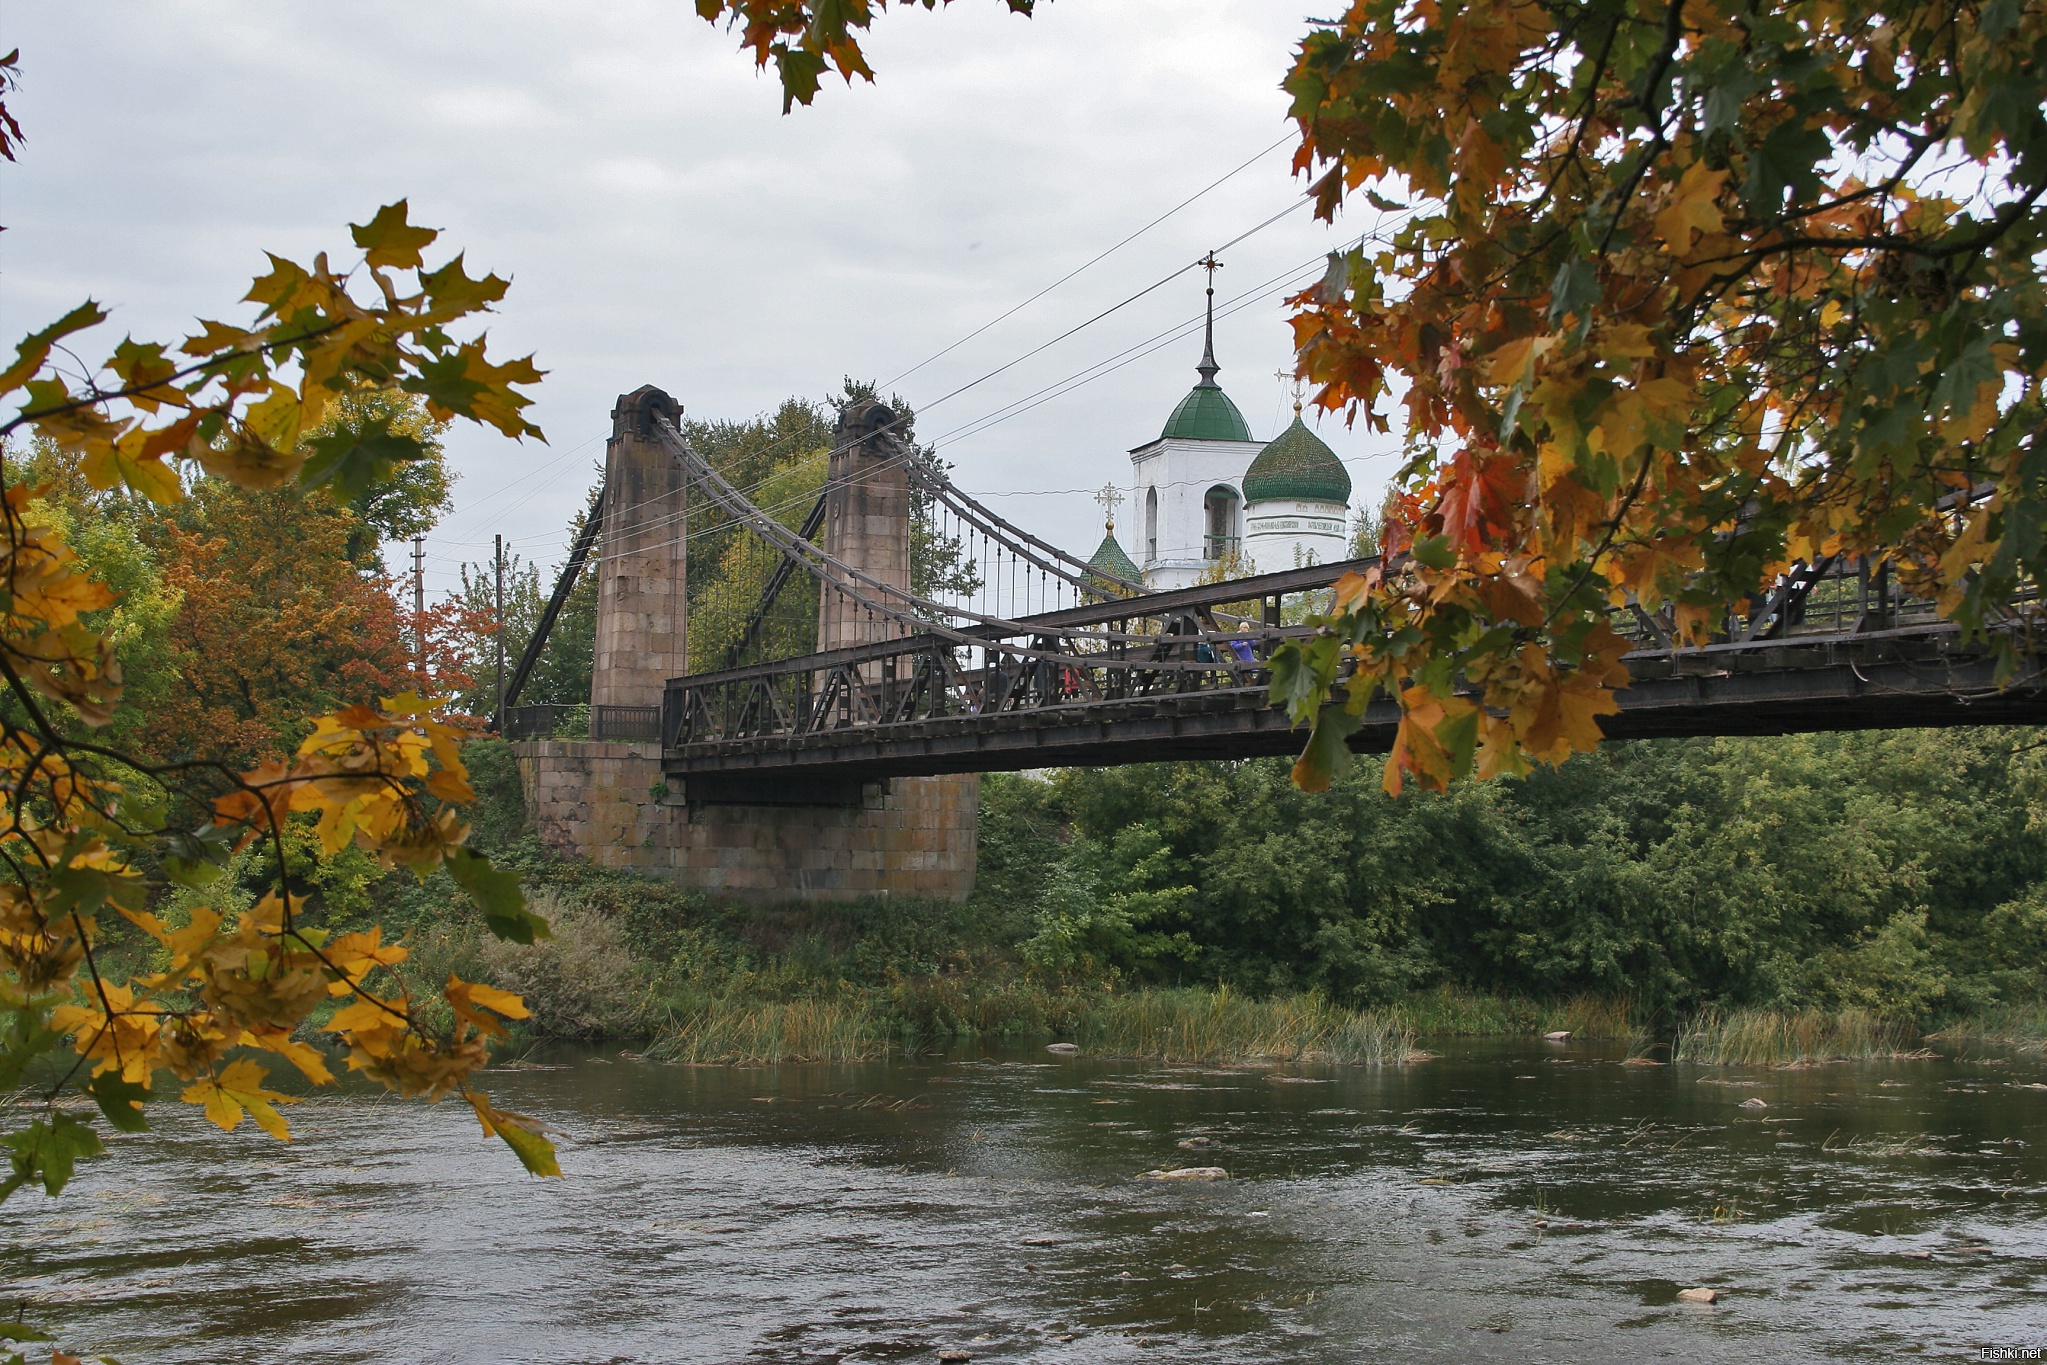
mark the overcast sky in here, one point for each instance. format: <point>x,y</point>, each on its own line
<point>662,222</point>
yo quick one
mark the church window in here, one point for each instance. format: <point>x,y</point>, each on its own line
<point>1220,509</point>
<point>1151,523</point>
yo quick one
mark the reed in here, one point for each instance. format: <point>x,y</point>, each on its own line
<point>2021,1027</point>
<point>1760,1037</point>
<point>766,1031</point>
<point>1192,1025</point>
<point>1453,1012</point>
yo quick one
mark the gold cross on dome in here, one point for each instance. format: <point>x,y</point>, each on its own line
<point>1111,498</point>
<point>1291,381</point>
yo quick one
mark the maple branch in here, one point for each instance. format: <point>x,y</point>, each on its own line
<point>182,399</point>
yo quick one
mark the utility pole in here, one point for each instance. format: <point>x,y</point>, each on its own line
<point>497,717</point>
<point>419,609</point>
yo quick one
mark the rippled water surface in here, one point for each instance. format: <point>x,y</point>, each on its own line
<point>1524,1203</point>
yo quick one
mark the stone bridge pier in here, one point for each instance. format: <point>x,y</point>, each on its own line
<point>755,838</point>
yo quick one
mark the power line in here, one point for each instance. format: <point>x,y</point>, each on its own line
<point>1093,260</point>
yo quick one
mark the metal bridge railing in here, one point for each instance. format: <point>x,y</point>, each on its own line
<point>625,724</point>
<point>534,722</point>
<point>1212,638</point>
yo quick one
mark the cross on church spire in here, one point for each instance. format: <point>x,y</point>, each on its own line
<point>1111,498</point>
<point>1289,380</point>
<point>1207,368</point>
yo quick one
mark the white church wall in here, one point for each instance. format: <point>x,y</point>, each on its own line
<point>1281,533</point>
<point>1180,473</point>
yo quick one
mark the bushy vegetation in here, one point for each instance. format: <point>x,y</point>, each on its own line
<point>1899,873</point>
<point>1759,900</point>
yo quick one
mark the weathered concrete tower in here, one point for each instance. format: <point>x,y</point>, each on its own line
<point>754,840</point>
<point>866,522</point>
<point>642,582</point>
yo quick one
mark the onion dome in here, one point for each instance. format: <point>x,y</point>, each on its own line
<point>1110,559</point>
<point>1297,464</point>
<point>1206,413</point>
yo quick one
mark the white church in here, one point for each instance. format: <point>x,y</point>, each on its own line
<point>1210,499</point>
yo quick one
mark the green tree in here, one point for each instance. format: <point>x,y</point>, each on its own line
<point>419,488</point>
<point>1897,871</point>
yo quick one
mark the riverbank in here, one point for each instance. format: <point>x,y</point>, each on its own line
<point>1048,950</point>
<point>687,981</point>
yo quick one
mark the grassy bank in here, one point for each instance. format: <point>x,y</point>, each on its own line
<point>2021,1028</point>
<point>1184,1025</point>
<point>1452,1012</point>
<point>1791,1038</point>
<point>700,983</point>
<point>1043,957</point>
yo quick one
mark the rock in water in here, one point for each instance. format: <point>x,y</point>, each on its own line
<point>954,1355</point>
<point>1198,1144</point>
<point>1753,1103</point>
<point>1188,1173</point>
<point>1562,1035</point>
<point>1698,1296</point>
<point>1064,1049</point>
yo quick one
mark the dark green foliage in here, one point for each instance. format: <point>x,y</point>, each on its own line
<point>1899,872</point>
<point>561,676</point>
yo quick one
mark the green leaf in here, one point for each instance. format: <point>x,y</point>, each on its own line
<point>47,1150</point>
<point>35,348</point>
<point>535,1152</point>
<point>1301,673</point>
<point>195,858</point>
<point>355,460</point>
<point>1962,376</point>
<point>120,1100</point>
<point>497,894</point>
<point>388,240</point>
<point>1790,158</point>
<point>1729,93</point>
<point>28,1038</point>
<point>21,1331</point>
<point>1459,737</point>
<point>455,294</point>
<point>1574,290</point>
<point>1434,552</point>
<point>1327,755</point>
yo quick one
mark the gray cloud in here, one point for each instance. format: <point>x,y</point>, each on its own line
<point>663,222</point>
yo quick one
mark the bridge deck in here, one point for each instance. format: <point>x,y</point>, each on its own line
<point>910,707</point>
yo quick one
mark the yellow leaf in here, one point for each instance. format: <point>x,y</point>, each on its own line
<point>451,786</point>
<point>469,999</point>
<point>239,1086</point>
<point>1624,341</point>
<point>388,240</point>
<point>1694,207</point>
<point>526,1136</point>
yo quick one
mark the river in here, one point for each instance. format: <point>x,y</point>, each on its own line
<point>1526,1202</point>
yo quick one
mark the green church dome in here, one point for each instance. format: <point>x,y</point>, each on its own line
<point>1206,414</point>
<point>1296,464</point>
<point>1110,559</point>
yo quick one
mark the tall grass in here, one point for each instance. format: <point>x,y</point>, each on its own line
<point>765,1031</point>
<point>2022,1027</point>
<point>1155,1025</point>
<point>1759,1037</point>
<point>1453,1012</point>
<point>1191,1025</point>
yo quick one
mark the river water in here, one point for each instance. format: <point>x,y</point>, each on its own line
<point>1523,1202</point>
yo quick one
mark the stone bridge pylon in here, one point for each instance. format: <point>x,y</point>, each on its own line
<point>756,837</point>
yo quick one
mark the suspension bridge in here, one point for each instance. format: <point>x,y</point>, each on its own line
<point>848,768</point>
